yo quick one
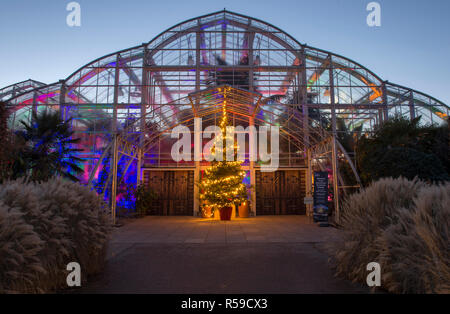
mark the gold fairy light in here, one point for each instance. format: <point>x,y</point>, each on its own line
<point>222,185</point>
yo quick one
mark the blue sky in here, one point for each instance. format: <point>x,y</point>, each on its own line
<point>411,48</point>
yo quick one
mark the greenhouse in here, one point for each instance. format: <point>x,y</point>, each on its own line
<point>125,105</point>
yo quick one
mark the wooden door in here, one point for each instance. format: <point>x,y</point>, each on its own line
<point>175,190</point>
<point>280,192</point>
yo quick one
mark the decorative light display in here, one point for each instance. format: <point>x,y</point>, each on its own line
<point>222,185</point>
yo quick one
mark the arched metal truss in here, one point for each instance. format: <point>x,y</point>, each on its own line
<point>312,143</point>
<point>155,80</point>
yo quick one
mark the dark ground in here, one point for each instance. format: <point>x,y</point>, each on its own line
<point>188,255</point>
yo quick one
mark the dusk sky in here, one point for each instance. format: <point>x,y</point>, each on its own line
<point>411,48</point>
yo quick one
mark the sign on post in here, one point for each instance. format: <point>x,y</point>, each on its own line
<point>320,206</point>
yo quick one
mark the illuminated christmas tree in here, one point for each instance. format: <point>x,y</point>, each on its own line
<point>222,186</point>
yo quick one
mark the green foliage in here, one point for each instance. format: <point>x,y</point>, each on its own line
<point>410,163</point>
<point>401,147</point>
<point>3,123</point>
<point>348,138</point>
<point>436,141</point>
<point>345,170</point>
<point>47,148</point>
<point>145,196</point>
<point>222,184</point>
<point>10,150</point>
<point>5,141</point>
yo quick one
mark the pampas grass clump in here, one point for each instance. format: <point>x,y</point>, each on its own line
<point>43,227</point>
<point>402,225</point>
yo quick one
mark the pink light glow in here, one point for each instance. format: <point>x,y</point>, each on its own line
<point>98,171</point>
<point>45,96</point>
<point>86,173</point>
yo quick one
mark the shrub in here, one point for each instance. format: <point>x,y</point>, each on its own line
<point>8,152</point>
<point>403,147</point>
<point>411,163</point>
<point>402,225</point>
<point>145,196</point>
<point>57,222</point>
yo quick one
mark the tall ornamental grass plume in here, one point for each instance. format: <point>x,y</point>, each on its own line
<point>43,227</point>
<point>415,251</point>
<point>87,220</point>
<point>20,265</point>
<point>402,225</point>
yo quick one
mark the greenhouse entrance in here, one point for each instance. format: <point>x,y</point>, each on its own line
<point>124,105</point>
<point>280,192</point>
<point>146,144</point>
<point>277,193</point>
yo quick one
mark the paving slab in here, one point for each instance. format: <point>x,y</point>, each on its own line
<point>266,254</point>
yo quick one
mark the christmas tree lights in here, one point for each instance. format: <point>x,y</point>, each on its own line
<point>222,185</point>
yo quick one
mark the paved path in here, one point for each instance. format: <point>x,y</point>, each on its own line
<point>267,254</point>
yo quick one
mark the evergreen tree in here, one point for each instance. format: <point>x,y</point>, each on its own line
<point>402,147</point>
<point>222,184</point>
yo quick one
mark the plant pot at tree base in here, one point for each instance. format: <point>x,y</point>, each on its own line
<point>225,213</point>
<point>243,210</point>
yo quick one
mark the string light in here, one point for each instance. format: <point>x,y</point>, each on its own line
<point>222,183</point>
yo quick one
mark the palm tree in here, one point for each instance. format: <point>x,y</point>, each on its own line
<point>48,147</point>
